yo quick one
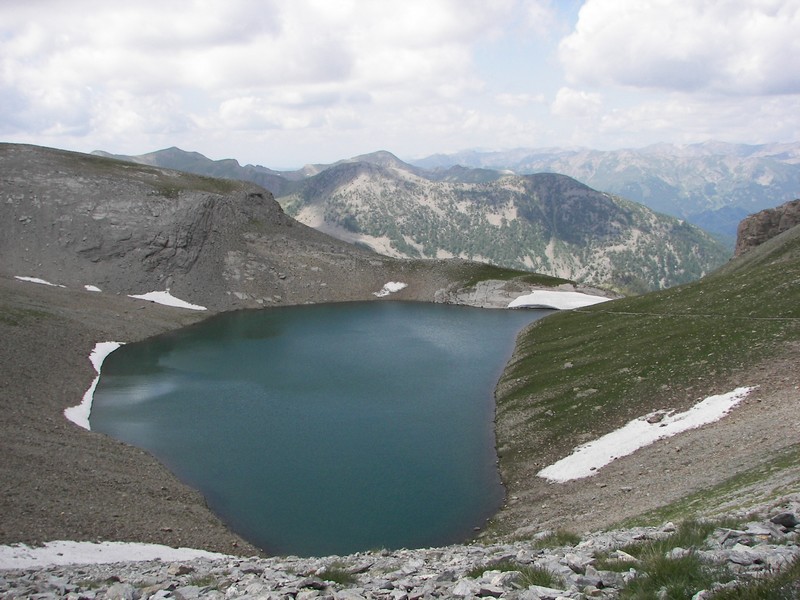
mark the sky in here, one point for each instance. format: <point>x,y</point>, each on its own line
<point>283,83</point>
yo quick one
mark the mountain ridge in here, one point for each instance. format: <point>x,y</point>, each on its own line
<point>381,202</point>
<point>545,222</point>
<point>712,184</point>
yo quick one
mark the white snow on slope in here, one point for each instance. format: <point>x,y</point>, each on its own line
<point>20,556</point>
<point>92,288</point>
<point>167,299</point>
<point>588,458</point>
<point>556,299</point>
<point>390,288</point>
<point>37,280</point>
<point>80,414</point>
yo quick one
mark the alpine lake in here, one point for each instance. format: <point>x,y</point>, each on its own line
<point>324,429</point>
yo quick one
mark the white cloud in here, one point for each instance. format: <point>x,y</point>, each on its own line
<point>516,100</point>
<point>576,103</point>
<point>732,47</point>
<point>283,82</point>
<point>540,16</point>
<point>253,113</point>
<point>684,118</point>
<point>89,67</point>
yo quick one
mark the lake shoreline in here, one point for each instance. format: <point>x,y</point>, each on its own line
<point>65,483</point>
<point>327,428</point>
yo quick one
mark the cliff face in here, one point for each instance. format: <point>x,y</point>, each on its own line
<point>758,228</point>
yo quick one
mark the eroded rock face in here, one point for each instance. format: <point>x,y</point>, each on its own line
<point>758,228</point>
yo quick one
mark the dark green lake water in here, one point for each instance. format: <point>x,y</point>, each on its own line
<point>324,429</point>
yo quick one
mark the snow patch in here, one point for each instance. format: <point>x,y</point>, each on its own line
<point>390,288</point>
<point>556,299</point>
<point>37,280</point>
<point>21,556</point>
<point>167,299</point>
<point>80,414</point>
<point>641,432</point>
<point>92,288</point>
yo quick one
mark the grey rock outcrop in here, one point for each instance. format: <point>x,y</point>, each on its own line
<point>762,226</point>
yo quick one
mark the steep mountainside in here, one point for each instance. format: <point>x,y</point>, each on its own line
<point>712,185</point>
<point>546,223</point>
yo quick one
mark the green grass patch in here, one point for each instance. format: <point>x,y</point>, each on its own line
<point>689,534</point>
<point>556,539</point>
<point>607,561</point>
<point>672,579</point>
<point>529,575</point>
<point>205,581</point>
<point>21,316</point>
<point>171,184</point>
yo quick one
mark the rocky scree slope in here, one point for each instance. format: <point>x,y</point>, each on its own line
<point>598,565</point>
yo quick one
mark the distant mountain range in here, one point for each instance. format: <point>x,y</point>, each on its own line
<point>713,185</point>
<point>547,223</point>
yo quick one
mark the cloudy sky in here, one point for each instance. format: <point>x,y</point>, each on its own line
<point>287,82</point>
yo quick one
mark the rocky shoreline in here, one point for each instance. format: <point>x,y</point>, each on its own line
<point>594,567</point>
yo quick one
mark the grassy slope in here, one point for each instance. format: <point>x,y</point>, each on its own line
<point>577,375</point>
